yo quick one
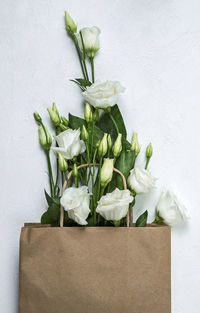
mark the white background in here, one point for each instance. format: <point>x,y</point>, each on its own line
<point>153,48</point>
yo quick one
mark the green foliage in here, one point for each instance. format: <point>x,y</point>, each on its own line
<point>106,124</point>
<point>76,122</point>
<point>124,164</point>
<point>142,220</point>
<point>82,83</point>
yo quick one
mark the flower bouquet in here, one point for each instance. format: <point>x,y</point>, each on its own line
<point>106,266</point>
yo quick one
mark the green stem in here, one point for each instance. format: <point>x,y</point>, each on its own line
<point>147,163</point>
<point>108,190</point>
<point>62,177</point>
<point>102,191</point>
<point>66,178</point>
<point>93,172</point>
<point>51,182</point>
<point>79,54</point>
<point>76,182</point>
<point>114,122</point>
<point>93,125</point>
<point>99,181</point>
<point>84,64</point>
<point>88,160</point>
<point>92,67</point>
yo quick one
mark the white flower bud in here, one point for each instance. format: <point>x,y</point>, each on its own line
<point>135,144</point>
<point>54,108</point>
<point>71,27</point>
<point>62,162</point>
<point>88,113</point>
<point>75,170</point>
<point>103,146</point>
<point>117,147</point>
<point>149,151</point>
<point>90,38</point>
<point>109,142</point>
<point>106,172</point>
<point>54,116</point>
<point>84,133</point>
<point>44,137</point>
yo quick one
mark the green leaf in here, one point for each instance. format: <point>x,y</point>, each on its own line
<point>83,82</point>
<point>76,122</point>
<point>51,200</point>
<point>106,124</point>
<point>124,164</point>
<point>142,220</point>
<point>48,198</point>
<point>52,215</point>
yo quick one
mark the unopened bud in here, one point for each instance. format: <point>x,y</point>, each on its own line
<point>62,162</point>
<point>65,121</point>
<point>135,144</point>
<point>37,117</point>
<point>117,147</point>
<point>106,172</point>
<point>70,24</point>
<point>75,170</point>
<point>63,127</point>
<point>96,115</point>
<point>84,133</point>
<point>149,151</point>
<point>109,142</point>
<point>54,116</point>
<point>44,137</point>
<point>88,113</point>
<point>97,144</point>
<point>54,108</point>
<point>103,146</point>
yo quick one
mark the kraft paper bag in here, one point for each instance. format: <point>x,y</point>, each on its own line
<point>95,269</point>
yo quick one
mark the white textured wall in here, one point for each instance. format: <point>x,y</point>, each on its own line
<point>153,48</point>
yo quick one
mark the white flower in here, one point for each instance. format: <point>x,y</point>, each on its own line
<point>114,206</point>
<point>76,202</point>
<point>103,94</point>
<point>140,180</point>
<point>170,209</point>
<point>90,40</point>
<point>69,143</point>
<point>106,172</point>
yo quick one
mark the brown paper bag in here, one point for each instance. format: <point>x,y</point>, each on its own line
<point>95,269</point>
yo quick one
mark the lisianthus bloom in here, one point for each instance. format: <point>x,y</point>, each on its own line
<point>76,202</point>
<point>114,206</point>
<point>140,180</point>
<point>90,40</point>
<point>70,144</point>
<point>103,94</point>
<point>106,172</point>
<point>170,210</point>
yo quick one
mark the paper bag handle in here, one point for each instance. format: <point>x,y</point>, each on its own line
<point>86,165</point>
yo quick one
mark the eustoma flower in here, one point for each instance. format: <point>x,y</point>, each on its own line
<point>170,210</point>
<point>69,143</point>
<point>90,38</point>
<point>106,172</point>
<point>114,206</point>
<point>76,202</point>
<point>103,94</point>
<point>141,180</point>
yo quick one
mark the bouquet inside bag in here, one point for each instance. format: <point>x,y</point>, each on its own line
<point>96,178</point>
